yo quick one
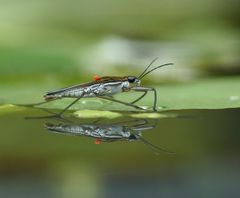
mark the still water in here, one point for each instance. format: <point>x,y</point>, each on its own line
<point>194,153</point>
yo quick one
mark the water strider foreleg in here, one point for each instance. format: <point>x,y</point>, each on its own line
<point>145,92</point>
<point>146,89</point>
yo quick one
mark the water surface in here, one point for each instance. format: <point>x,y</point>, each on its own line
<point>36,162</point>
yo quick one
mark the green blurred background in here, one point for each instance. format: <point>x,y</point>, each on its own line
<point>48,44</point>
<point>67,41</point>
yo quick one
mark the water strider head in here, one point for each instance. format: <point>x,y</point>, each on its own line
<point>136,81</point>
<point>133,80</point>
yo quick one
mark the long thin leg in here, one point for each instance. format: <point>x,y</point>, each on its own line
<point>155,99</point>
<point>66,108</point>
<point>154,148</point>
<point>121,102</point>
<point>146,89</point>
<point>144,94</point>
<point>130,121</point>
<point>39,103</point>
<point>143,126</point>
<point>58,115</point>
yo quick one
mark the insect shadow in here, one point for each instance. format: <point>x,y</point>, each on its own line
<point>130,130</point>
<point>105,88</point>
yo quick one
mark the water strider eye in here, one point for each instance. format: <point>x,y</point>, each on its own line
<point>132,137</point>
<point>131,79</point>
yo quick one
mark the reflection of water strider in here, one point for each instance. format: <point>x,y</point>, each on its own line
<point>128,130</point>
<point>105,88</point>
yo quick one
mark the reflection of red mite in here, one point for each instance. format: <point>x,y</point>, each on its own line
<point>97,141</point>
<point>96,77</point>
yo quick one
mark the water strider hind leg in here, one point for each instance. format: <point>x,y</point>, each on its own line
<point>58,115</point>
<point>37,104</point>
<point>71,104</point>
<point>121,102</point>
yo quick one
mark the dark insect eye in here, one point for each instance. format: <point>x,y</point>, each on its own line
<point>131,79</point>
<point>132,137</point>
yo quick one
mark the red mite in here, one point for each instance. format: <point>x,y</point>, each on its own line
<point>97,141</point>
<point>96,77</point>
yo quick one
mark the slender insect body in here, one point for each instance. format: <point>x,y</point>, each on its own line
<point>97,89</point>
<point>104,87</point>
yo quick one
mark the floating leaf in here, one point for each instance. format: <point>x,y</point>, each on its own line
<point>149,115</point>
<point>10,108</point>
<point>96,114</point>
<point>202,94</point>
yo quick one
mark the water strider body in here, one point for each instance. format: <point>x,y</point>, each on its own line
<point>105,88</point>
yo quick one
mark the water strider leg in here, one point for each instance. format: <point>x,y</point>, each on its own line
<point>66,108</point>
<point>146,89</point>
<point>130,121</point>
<point>145,92</point>
<point>58,114</point>
<point>121,102</point>
<point>142,127</point>
<point>39,103</point>
<point>154,148</point>
<point>47,117</point>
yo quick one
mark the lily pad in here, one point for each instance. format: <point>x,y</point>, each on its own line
<point>216,93</point>
<point>96,114</point>
<point>203,94</point>
<point>149,115</point>
<point>10,108</point>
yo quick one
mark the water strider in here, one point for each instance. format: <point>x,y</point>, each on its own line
<point>105,88</point>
